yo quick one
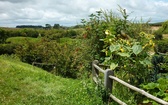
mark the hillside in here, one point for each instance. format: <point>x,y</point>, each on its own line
<point>21,83</point>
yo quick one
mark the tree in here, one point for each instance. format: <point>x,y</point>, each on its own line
<point>48,26</point>
<point>56,26</point>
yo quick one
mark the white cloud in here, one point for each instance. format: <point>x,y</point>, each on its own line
<point>64,12</point>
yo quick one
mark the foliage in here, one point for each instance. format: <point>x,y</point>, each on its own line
<point>85,94</point>
<point>70,33</point>
<point>7,48</point>
<point>48,26</point>
<point>6,33</point>
<point>3,35</point>
<point>127,51</point>
<point>158,35</point>
<point>22,83</point>
<point>125,46</point>
<point>162,45</point>
<point>53,34</point>
<point>29,26</point>
<point>159,66</point>
<point>13,42</point>
<point>67,60</point>
<point>158,89</point>
<point>22,40</point>
<point>163,29</point>
<point>94,31</point>
<point>164,65</point>
<point>56,26</point>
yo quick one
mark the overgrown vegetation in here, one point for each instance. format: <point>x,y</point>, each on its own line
<point>160,40</point>
<point>124,46</point>
<point>22,83</point>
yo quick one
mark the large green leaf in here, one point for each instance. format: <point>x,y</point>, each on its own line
<point>124,54</point>
<point>150,86</point>
<point>145,62</point>
<point>113,66</point>
<point>114,48</point>
<point>137,49</point>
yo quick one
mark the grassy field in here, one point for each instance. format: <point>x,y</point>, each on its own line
<point>21,40</point>
<point>23,84</point>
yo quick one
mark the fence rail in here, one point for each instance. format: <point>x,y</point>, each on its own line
<point>108,84</point>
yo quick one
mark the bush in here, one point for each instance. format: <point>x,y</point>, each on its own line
<point>158,35</point>
<point>158,89</point>
<point>3,35</point>
<point>7,48</point>
<point>31,33</point>
<point>159,63</point>
<point>67,60</point>
<point>122,45</point>
<point>162,46</point>
<point>70,33</point>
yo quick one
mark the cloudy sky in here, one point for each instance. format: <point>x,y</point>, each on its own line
<point>70,12</point>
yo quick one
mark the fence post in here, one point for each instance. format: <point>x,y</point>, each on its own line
<point>95,72</point>
<point>108,82</point>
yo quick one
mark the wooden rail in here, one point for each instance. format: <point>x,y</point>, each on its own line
<point>108,84</point>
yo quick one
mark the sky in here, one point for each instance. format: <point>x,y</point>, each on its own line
<point>70,12</point>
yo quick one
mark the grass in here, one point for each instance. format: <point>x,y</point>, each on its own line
<point>23,84</point>
<point>68,40</point>
<point>21,40</point>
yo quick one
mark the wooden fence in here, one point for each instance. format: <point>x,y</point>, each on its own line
<point>108,84</point>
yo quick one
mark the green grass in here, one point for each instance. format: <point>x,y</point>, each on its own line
<point>23,84</point>
<point>67,40</point>
<point>21,40</point>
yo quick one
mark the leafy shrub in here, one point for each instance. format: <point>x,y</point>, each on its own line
<point>61,59</point>
<point>55,36</point>
<point>7,48</point>
<point>162,30</point>
<point>162,45</point>
<point>121,27</point>
<point>6,33</point>
<point>3,35</point>
<point>158,89</point>
<point>159,63</point>
<point>70,33</point>
<point>31,33</point>
<point>164,65</point>
<point>158,35</point>
<point>122,45</point>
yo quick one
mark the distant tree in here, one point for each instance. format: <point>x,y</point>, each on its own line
<point>78,26</point>
<point>56,26</point>
<point>29,26</point>
<point>48,26</point>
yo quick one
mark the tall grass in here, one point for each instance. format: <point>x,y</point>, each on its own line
<point>24,84</point>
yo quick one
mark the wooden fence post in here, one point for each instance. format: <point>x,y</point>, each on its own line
<point>108,82</point>
<point>95,72</point>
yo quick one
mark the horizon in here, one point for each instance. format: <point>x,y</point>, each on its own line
<point>70,13</point>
